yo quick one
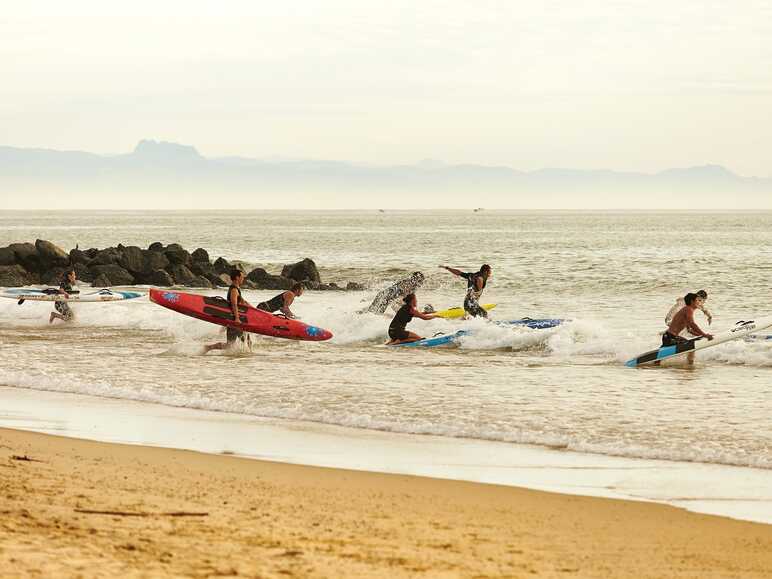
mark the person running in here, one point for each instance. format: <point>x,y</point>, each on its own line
<point>283,301</point>
<point>392,295</point>
<point>398,333</point>
<point>679,304</point>
<point>682,321</point>
<point>476,282</point>
<point>63,310</point>
<point>234,301</point>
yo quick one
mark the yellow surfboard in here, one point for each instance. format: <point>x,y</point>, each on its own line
<point>459,312</point>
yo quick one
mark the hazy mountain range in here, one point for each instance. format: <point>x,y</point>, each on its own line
<point>170,175</point>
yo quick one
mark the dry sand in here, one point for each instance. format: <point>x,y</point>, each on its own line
<point>81,508</point>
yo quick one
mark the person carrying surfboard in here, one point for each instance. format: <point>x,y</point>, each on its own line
<point>234,301</point>
<point>684,320</point>
<point>283,301</point>
<point>397,328</point>
<point>476,282</point>
<point>679,304</point>
<point>63,310</point>
<point>393,294</point>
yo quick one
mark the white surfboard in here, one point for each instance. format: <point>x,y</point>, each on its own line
<point>741,329</point>
<point>53,295</point>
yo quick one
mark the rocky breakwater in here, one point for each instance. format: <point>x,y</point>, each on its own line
<point>159,265</point>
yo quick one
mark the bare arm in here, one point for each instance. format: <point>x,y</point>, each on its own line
<point>692,326</point>
<point>452,270</point>
<point>289,297</point>
<point>422,315</point>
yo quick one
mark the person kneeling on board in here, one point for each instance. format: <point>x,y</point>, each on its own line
<point>283,301</point>
<point>680,304</point>
<point>63,310</point>
<point>684,320</point>
<point>405,314</point>
<point>234,300</point>
<point>476,282</point>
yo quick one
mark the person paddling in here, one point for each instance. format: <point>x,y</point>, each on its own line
<point>234,301</point>
<point>283,301</point>
<point>63,310</point>
<point>476,282</point>
<point>684,320</point>
<point>397,329</point>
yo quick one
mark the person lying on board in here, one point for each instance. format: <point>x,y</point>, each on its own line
<point>476,282</point>
<point>234,301</point>
<point>680,304</point>
<point>682,321</point>
<point>393,295</point>
<point>283,301</point>
<point>397,331</point>
<point>63,311</point>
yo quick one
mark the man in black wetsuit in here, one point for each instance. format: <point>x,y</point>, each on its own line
<point>476,282</point>
<point>283,301</point>
<point>395,292</point>
<point>63,310</point>
<point>234,301</point>
<point>397,331</point>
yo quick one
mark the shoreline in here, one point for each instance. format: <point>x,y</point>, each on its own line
<point>737,492</point>
<point>81,507</point>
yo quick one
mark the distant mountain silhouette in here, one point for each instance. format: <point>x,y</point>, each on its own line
<point>154,168</point>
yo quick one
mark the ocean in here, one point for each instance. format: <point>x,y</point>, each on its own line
<point>614,275</point>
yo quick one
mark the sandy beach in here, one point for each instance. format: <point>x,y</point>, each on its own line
<point>80,508</point>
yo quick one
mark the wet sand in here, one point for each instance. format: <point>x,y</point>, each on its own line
<point>80,508</point>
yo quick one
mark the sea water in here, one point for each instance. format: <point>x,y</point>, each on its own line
<point>615,275</point>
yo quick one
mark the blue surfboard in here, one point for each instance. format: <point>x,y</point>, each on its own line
<point>534,324</point>
<point>435,341</point>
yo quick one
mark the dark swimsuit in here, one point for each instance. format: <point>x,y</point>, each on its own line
<point>397,329</point>
<point>272,305</point>
<point>233,334</point>
<point>471,305</point>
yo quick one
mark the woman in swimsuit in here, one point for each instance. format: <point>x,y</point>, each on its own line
<point>397,331</point>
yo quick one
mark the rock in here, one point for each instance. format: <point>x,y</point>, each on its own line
<point>7,256</point>
<point>156,246</point>
<point>175,247</point>
<point>178,256</point>
<point>249,285</point>
<point>53,276</point>
<point>203,268</point>
<point>14,276</point>
<point>91,253</point>
<point>26,256</point>
<point>78,256</point>
<point>222,265</point>
<point>201,282</point>
<point>200,256</point>
<point>217,281</point>
<point>159,278</point>
<point>302,271</point>
<point>114,274</point>
<point>312,285</point>
<point>324,287</point>
<point>132,259</point>
<point>225,279</point>
<point>334,286</point>
<point>108,256</point>
<point>51,255</point>
<point>353,286</point>
<point>101,281</point>
<point>181,274</point>
<point>153,260</point>
<point>264,280</point>
<point>82,273</point>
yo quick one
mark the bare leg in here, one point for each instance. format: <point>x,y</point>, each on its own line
<point>55,316</point>
<point>690,358</point>
<point>411,337</point>
<point>218,346</point>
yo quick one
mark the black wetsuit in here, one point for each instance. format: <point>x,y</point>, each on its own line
<point>403,317</point>
<point>233,334</point>
<point>63,307</point>
<point>471,304</point>
<point>274,304</point>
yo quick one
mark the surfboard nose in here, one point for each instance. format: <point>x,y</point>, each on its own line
<point>318,334</point>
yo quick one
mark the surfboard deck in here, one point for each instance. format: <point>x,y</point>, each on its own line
<point>453,313</point>
<point>741,329</point>
<point>434,341</point>
<point>216,310</point>
<point>53,295</point>
<point>533,323</point>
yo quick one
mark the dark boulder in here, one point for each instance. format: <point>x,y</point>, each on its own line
<point>156,246</point>
<point>264,280</point>
<point>51,255</point>
<point>78,256</point>
<point>101,281</point>
<point>159,278</point>
<point>181,274</point>
<point>83,273</point>
<point>304,270</point>
<point>153,260</point>
<point>132,259</point>
<point>225,279</point>
<point>14,276</point>
<point>203,268</point>
<point>200,256</point>
<point>114,274</point>
<point>178,256</point>
<point>108,256</point>
<point>222,265</point>
<point>7,256</point>
<point>353,286</point>
<point>201,282</point>
<point>217,281</point>
<point>26,256</point>
<point>174,247</point>
<point>334,286</point>
<point>54,276</point>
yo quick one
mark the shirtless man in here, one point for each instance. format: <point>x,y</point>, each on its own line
<point>234,301</point>
<point>684,320</point>
<point>680,304</point>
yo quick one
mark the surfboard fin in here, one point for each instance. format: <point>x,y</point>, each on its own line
<point>21,301</point>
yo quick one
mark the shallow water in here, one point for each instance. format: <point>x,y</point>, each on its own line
<point>614,275</point>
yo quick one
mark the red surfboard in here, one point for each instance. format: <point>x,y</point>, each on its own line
<point>217,311</point>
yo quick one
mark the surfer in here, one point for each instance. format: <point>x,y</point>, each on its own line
<point>395,292</point>
<point>405,314</point>
<point>679,304</point>
<point>234,301</point>
<point>283,301</point>
<point>63,310</point>
<point>682,321</point>
<point>476,282</point>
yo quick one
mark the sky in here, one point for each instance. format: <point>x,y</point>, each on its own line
<point>624,85</point>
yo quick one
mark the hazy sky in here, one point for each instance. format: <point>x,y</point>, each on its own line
<point>629,85</point>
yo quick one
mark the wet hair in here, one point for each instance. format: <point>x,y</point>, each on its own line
<point>408,298</point>
<point>689,298</point>
<point>485,268</point>
<point>702,294</point>
<point>296,287</point>
<point>236,273</point>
